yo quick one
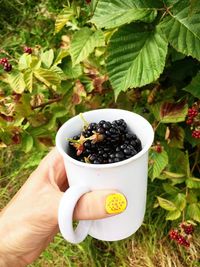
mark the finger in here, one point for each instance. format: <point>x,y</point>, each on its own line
<point>99,204</point>
<point>52,168</point>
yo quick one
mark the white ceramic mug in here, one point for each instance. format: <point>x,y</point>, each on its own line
<point>128,177</point>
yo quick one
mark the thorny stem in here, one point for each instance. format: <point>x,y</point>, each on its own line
<point>47,103</point>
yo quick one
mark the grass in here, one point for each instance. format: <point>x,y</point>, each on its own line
<point>148,247</point>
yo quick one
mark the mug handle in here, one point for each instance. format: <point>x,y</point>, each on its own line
<point>65,215</point>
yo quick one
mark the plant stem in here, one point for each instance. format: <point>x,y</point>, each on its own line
<point>196,160</point>
<point>48,103</point>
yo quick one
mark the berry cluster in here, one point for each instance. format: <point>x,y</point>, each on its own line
<point>104,142</point>
<point>194,120</point>
<point>6,65</point>
<point>183,234</point>
<point>28,50</point>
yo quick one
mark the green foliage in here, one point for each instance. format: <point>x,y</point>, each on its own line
<point>142,56</point>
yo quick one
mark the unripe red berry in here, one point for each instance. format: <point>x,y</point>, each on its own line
<point>196,134</point>
<point>16,139</point>
<point>192,112</point>
<point>174,234</point>
<point>3,61</point>
<point>182,241</point>
<point>28,50</point>
<point>188,228</point>
<point>158,148</point>
<point>189,121</point>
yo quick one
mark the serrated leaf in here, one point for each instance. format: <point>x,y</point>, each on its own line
<point>47,58</point>
<point>24,61</point>
<point>63,17</point>
<point>166,204</point>
<point>193,182</point>
<point>136,56</point>
<point>193,211</point>
<point>84,42</point>
<point>16,81</point>
<point>180,201</point>
<point>173,215</point>
<point>173,112</point>
<point>47,77</point>
<point>28,79</point>
<point>194,87</point>
<point>118,12</point>
<point>159,162</point>
<point>183,29</point>
<point>27,143</point>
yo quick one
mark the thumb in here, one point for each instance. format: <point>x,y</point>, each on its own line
<point>99,204</point>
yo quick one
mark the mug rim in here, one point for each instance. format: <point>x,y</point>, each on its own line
<point>107,165</point>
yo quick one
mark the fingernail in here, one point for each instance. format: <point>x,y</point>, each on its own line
<point>115,203</point>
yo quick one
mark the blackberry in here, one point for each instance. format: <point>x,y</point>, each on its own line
<point>104,142</point>
<point>7,67</point>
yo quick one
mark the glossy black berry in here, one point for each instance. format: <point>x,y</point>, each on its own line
<point>104,142</point>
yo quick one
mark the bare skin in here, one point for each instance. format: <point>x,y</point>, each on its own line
<point>29,221</point>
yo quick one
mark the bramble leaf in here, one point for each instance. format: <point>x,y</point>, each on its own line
<point>194,87</point>
<point>183,29</point>
<point>63,17</point>
<point>173,215</point>
<point>84,42</point>
<point>136,56</point>
<point>118,12</point>
<point>158,161</point>
<point>166,204</point>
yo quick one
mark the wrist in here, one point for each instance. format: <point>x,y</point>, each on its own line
<point>8,256</point>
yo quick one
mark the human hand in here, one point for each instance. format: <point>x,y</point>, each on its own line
<point>29,222</point>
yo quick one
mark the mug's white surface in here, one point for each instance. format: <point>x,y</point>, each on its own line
<point>128,176</point>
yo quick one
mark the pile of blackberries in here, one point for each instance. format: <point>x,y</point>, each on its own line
<point>104,142</point>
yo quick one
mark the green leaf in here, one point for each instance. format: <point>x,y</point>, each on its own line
<point>16,81</point>
<point>69,71</point>
<point>183,29</point>
<point>176,137</point>
<point>180,201</point>
<point>193,211</point>
<point>62,53</point>
<point>194,87</point>
<point>166,204</point>
<point>47,77</point>
<point>118,12</point>
<point>47,58</point>
<point>173,175</point>
<point>193,182</point>
<point>170,189</point>
<point>84,42</point>
<point>24,61</point>
<point>65,15</point>
<point>136,56</point>
<point>159,162</point>
<point>173,215</point>
<point>27,143</point>
<point>28,79</point>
